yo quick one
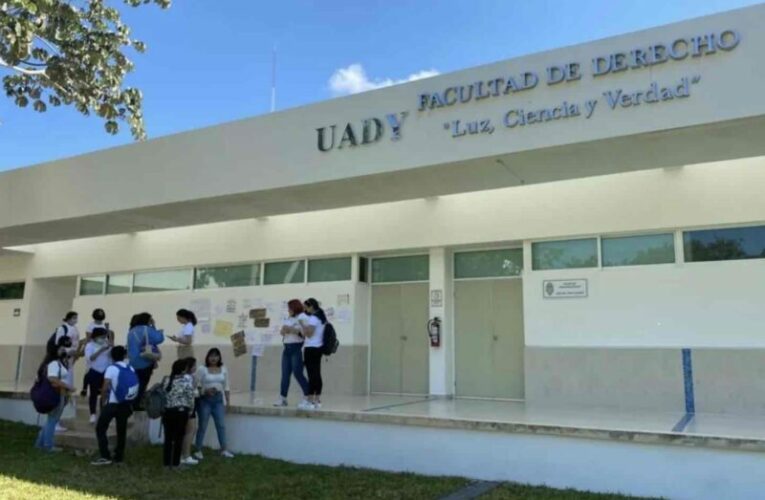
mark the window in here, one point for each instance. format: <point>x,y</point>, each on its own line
<point>363,270</point>
<point>488,263</point>
<point>12,291</point>
<point>724,244</point>
<point>397,269</point>
<point>119,283</point>
<point>162,281</point>
<point>337,269</point>
<point>227,276</point>
<point>92,285</point>
<point>564,254</point>
<point>284,272</point>
<point>638,250</point>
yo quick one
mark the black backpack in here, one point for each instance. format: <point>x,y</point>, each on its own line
<point>52,340</point>
<point>330,342</point>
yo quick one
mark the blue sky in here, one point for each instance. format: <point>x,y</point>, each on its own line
<point>207,65</point>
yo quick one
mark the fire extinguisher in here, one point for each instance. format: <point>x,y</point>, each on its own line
<point>434,332</point>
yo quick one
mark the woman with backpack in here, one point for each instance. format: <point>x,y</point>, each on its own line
<point>215,398</point>
<point>53,371</point>
<point>179,403</point>
<point>292,355</point>
<point>314,340</point>
<point>143,351</point>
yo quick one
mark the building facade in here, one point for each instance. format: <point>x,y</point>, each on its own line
<point>587,225</point>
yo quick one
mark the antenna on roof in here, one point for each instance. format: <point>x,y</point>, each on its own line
<point>273,80</point>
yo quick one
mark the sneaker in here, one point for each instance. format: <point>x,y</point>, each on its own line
<point>189,461</point>
<point>317,406</point>
<point>281,402</point>
<point>227,454</point>
<point>93,419</point>
<point>61,428</point>
<point>101,461</point>
<point>305,405</point>
<point>198,455</point>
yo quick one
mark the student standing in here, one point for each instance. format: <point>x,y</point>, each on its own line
<point>191,424</point>
<point>292,355</point>
<point>314,340</point>
<point>143,351</point>
<point>185,338</point>
<point>98,355</point>
<point>120,388</point>
<point>54,368</point>
<point>180,400</point>
<point>215,398</point>
<point>99,318</point>
<point>68,329</point>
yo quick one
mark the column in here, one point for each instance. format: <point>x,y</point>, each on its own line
<point>441,306</point>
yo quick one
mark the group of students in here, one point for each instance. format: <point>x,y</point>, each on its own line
<point>120,375</point>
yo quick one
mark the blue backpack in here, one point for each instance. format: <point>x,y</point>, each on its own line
<point>45,397</point>
<point>127,385</point>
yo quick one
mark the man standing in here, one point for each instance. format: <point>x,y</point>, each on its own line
<point>120,389</point>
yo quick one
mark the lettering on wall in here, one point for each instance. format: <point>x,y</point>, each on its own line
<point>372,130</point>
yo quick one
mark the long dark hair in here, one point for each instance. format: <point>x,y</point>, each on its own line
<point>317,310</point>
<point>140,319</point>
<point>212,351</point>
<point>187,315</point>
<point>179,368</point>
<point>55,353</point>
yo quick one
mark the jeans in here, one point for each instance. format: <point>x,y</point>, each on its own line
<point>95,382</point>
<point>253,373</point>
<point>122,412</point>
<point>48,430</point>
<point>292,364</point>
<point>215,406</point>
<point>313,367</point>
<point>174,421</point>
<point>144,375</point>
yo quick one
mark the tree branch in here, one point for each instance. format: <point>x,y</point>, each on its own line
<point>25,71</point>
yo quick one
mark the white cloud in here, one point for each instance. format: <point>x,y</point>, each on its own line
<point>354,79</point>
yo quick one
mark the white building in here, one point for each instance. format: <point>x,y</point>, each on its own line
<point>575,218</point>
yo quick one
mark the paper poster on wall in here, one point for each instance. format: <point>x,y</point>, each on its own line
<point>343,315</point>
<point>204,327</point>
<point>223,328</point>
<point>266,338</point>
<point>564,289</point>
<point>231,306</point>
<point>258,350</point>
<point>220,309</point>
<point>201,308</point>
<point>330,312</point>
<point>239,344</point>
<point>258,313</point>
<point>262,322</point>
<point>246,304</point>
<point>242,321</point>
<point>344,299</point>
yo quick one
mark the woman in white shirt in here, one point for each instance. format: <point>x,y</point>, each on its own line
<point>54,368</point>
<point>314,340</point>
<point>99,318</point>
<point>292,355</point>
<point>98,354</point>
<point>69,329</point>
<point>185,338</point>
<point>216,397</point>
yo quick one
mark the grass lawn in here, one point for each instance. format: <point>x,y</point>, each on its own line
<point>26,473</point>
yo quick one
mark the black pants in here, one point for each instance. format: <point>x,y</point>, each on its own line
<point>95,382</point>
<point>121,412</point>
<point>312,357</point>
<point>144,375</point>
<point>174,422</point>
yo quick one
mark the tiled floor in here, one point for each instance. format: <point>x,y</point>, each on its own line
<point>608,419</point>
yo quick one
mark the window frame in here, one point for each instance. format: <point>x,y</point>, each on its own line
<point>598,257</point>
<point>282,261</point>
<point>394,256</point>
<point>190,278</point>
<point>672,233</point>
<point>488,249</point>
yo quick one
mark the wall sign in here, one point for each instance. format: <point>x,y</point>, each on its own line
<point>16,313</point>
<point>564,289</point>
<point>436,298</point>
<point>372,129</point>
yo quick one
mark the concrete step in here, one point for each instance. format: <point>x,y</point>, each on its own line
<point>81,440</point>
<point>84,425</point>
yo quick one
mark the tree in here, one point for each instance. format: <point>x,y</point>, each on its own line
<point>73,53</point>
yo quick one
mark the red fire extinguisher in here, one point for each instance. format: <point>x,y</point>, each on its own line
<point>434,332</point>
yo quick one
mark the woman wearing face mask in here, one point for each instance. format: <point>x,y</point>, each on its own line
<point>314,340</point>
<point>97,353</point>
<point>54,368</point>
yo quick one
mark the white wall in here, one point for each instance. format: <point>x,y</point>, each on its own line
<point>699,304</point>
<point>11,327</point>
